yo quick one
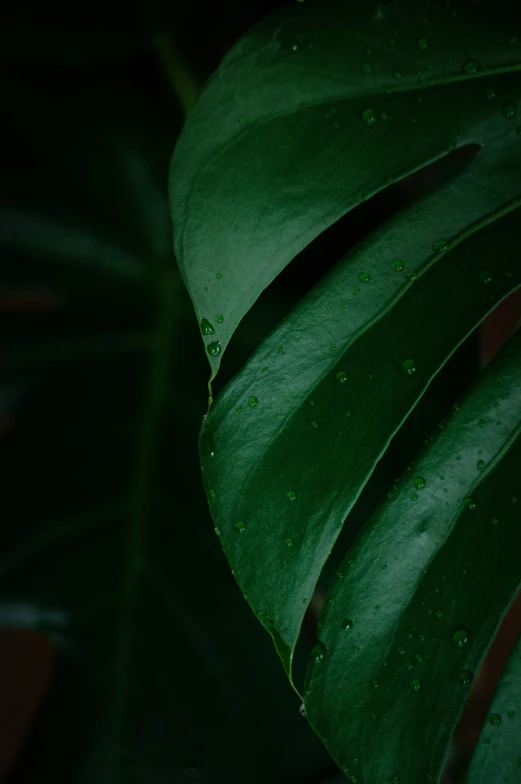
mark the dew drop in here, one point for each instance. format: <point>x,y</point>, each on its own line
<point>511,715</point>
<point>318,653</point>
<point>211,493</point>
<point>240,527</point>
<point>252,401</point>
<point>470,67</point>
<point>206,327</point>
<point>288,542</point>
<point>364,277</point>
<point>397,74</point>
<point>302,709</point>
<point>480,465</point>
<point>415,684</point>
<point>219,319</point>
<point>398,265</point>
<point>470,503</point>
<point>341,377</point>
<point>214,349</point>
<point>369,117</point>
<point>490,93</point>
<point>422,44</point>
<point>495,719</point>
<point>375,683</point>
<point>243,119</point>
<point>366,67</point>
<point>356,292</point>
<point>291,495</point>
<point>409,366</point>
<point>218,275</point>
<point>409,665</point>
<point>460,638</point>
<point>419,482</point>
<point>440,246</point>
<point>238,409</point>
<point>509,110</point>
<point>465,677</point>
<point>485,277</point>
<point>414,496</point>
<point>347,623</point>
<point>401,650</point>
<point>481,423</point>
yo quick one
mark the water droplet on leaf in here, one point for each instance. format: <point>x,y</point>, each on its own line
<point>460,638</point>
<point>214,349</point>
<point>240,527</point>
<point>368,116</point>
<point>409,366</point>
<point>252,401</point>
<point>341,376</point>
<point>291,495</point>
<point>415,684</point>
<point>509,110</point>
<point>347,623</point>
<point>206,327</point>
<point>495,719</point>
<point>465,677</point>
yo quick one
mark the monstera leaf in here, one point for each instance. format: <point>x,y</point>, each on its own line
<point>311,113</point>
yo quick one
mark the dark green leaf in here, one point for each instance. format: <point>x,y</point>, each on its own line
<point>293,131</point>
<point>424,585</point>
<point>497,757</point>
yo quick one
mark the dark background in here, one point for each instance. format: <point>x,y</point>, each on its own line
<point>176,680</point>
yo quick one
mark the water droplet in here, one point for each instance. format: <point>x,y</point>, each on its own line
<point>206,327</point>
<point>415,684</point>
<point>397,74</point>
<point>356,292</point>
<point>291,495</point>
<point>509,110</point>
<point>438,614</point>
<point>243,119</point>
<point>240,527</point>
<point>511,715</point>
<point>398,265</point>
<point>481,423</point>
<point>514,499</point>
<point>302,709</point>
<point>368,116</point>
<point>460,638</point>
<point>450,146</point>
<point>366,67</point>
<point>375,683</point>
<point>401,650</point>
<point>384,566</point>
<point>470,503</point>
<point>465,677</point>
<point>351,562</point>
<point>419,657</point>
<point>211,493</point>
<point>218,275</point>
<point>495,718</point>
<point>347,623</point>
<point>485,277</point>
<point>383,115</point>
<point>409,366</point>
<point>414,496</point>
<point>341,376</point>
<point>490,93</point>
<point>252,401</point>
<point>470,67</point>
<point>419,482</point>
<point>214,349</point>
<point>409,665</point>
<point>238,409</point>
<point>422,44</point>
<point>318,653</point>
<point>217,531</point>
<point>314,424</point>
<point>364,277</point>
<point>480,465</point>
<point>494,521</point>
<point>440,246</point>
<point>219,319</point>
<point>288,542</point>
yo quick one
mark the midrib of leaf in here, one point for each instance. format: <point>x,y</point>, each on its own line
<point>140,503</point>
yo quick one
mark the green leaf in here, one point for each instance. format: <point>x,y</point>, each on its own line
<point>310,114</point>
<point>319,108</point>
<point>497,755</point>
<point>424,586</point>
<point>292,466</point>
